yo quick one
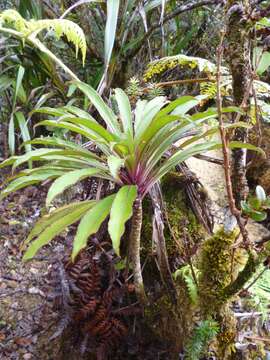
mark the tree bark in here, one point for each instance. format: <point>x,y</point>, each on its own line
<point>238,56</point>
<point>134,250</point>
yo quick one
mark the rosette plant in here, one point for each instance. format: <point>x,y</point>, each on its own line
<point>135,150</point>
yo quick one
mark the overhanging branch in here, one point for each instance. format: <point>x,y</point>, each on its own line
<point>188,6</point>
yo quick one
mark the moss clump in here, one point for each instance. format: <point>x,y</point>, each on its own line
<point>216,269</point>
<point>181,218</point>
<point>245,275</point>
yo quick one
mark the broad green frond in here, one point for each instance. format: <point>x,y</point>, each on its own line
<point>61,27</point>
<point>13,18</point>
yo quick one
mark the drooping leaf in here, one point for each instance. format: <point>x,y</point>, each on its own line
<point>54,216</point>
<point>248,146</point>
<point>25,181</point>
<point>55,229</point>
<point>121,211</point>
<point>90,223</point>
<point>78,3</point>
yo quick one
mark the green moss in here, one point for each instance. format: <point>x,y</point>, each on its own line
<point>179,216</point>
<point>243,277</point>
<point>216,269</point>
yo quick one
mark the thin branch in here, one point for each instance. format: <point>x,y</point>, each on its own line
<point>209,159</point>
<point>227,166</point>
<point>255,280</point>
<point>190,5</point>
<point>184,81</point>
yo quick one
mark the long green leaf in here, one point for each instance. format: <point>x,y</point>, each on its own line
<point>90,223</point>
<point>240,145</point>
<point>54,216</point>
<point>25,181</point>
<point>121,211</point>
<point>125,110</point>
<point>110,30</point>
<point>183,155</point>
<point>174,104</point>
<point>11,134</point>
<point>82,156</point>
<point>149,111</point>
<point>19,80</point>
<point>67,180</point>
<point>105,112</point>
<point>55,229</point>
<point>24,130</point>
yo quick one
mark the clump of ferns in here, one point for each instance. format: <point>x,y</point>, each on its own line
<point>191,276</point>
<point>203,333</point>
<point>135,150</point>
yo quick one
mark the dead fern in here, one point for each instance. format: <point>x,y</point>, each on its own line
<point>92,305</point>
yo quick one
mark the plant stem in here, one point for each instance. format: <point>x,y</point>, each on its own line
<point>134,250</point>
<point>227,166</point>
<point>38,44</point>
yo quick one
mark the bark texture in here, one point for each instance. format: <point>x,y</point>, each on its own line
<point>238,56</point>
<point>135,239</point>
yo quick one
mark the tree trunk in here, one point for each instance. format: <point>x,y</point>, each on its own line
<point>238,56</point>
<point>134,250</point>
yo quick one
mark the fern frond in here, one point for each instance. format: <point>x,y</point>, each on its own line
<point>202,335</point>
<point>61,27</point>
<point>13,18</point>
<point>186,274</point>
<point>158,67</point>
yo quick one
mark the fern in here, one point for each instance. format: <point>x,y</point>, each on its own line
<point>186,274</point>
<point>202,334</point>
<point>158,67</point>
<point>61,27</point>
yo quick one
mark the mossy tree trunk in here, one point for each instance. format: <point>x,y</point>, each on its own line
<point>238,57</point>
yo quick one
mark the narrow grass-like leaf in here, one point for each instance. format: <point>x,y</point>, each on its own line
<point>24,130</point>
<point>110,30</point>
<point>24,181</point>
<point>241,145</point>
